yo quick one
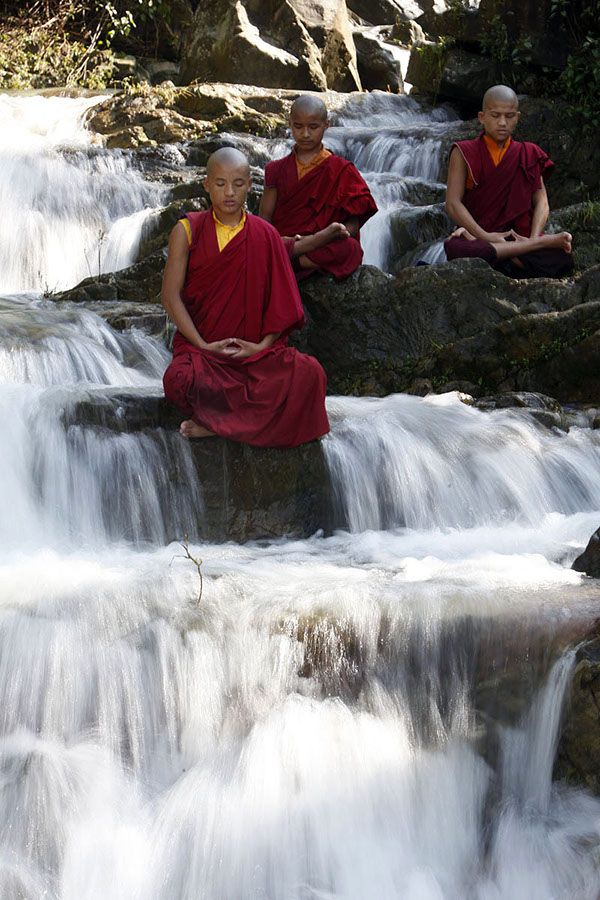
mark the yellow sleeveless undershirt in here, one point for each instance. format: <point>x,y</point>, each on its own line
<point>225,233</point>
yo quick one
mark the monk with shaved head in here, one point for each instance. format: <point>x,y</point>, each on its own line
<point>497,197</point>
<point>316,200</point>
<point>230,289</point>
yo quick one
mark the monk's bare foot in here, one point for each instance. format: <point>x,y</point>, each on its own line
<point>191,429</point>
<point>309,242</point>
<point>333,232</point>
<point>562,241</point>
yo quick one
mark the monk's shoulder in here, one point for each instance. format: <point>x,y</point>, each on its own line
<point>196,222</point>
<point>261,230</point>
<point>337,163</point>
<point>275,167</point>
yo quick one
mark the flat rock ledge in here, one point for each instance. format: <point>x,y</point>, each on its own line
<point>249,493</point>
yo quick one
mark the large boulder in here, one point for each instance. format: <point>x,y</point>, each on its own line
<point>411,228</point>
<point>386,12</point>
<point>450,72</point>
<point>578,758</point>
<point>283,43</point>
<point>169,114</point>
<point>589,560</point>
<point>248,493</point>
<point>378,67</point>
<point>459,322</point>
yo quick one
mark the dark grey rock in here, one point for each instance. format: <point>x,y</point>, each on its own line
<point>589,560</point>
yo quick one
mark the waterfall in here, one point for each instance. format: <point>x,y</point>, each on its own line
<point>372,713</point>
<point>66,204</point>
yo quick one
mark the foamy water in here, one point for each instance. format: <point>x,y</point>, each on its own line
<point>317,726</point>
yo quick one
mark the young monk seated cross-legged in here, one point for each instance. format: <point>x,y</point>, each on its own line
<point>316,200</point>
<point>496,195</point>
<point>230,289</point>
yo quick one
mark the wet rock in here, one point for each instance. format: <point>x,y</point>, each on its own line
<point>140,283</point>
<point>458,323</point>
<point>286,44</point>
<point>412,228</point>
<point>169,114</point>
<point>371,330</point>
<point>582,220</point>
<point>148,317</point>
<point>451,72</point>
<point>248,493</point>
<point>385,12</point>
<point>377,66</point>
<point>578,758</point>
<point>589,560</point>
<point>544,410</point>
<point>408,33</point>
<point>157,228</point>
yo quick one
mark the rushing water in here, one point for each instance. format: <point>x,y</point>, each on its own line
<point>331,721</point>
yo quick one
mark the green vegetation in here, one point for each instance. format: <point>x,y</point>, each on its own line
<point>46,43</point>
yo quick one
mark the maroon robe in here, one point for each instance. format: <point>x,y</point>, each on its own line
<point>275,398</point>
<point>502,199</point>
<point>334,191</point>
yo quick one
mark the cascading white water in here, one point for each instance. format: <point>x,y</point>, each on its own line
<point>312,728</point>
<point>67,205</point>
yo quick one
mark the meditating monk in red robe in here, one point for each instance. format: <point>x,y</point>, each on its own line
<point>496,195</point>
<point>230,289</point>
<point>314,192</point>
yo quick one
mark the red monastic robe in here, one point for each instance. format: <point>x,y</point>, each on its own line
<point>501,199</point>
<point>333,191</point>
<point>275,398</point>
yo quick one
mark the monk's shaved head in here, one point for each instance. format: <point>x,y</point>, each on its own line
<point>227,157</point>
<point>310,106</point>
<point>499,93</point>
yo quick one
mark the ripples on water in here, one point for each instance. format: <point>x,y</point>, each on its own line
<point>317,727</point>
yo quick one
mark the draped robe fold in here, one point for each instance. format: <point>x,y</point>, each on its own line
<point>334,191</point>
<point>275,398</point>
<point>502,199</point>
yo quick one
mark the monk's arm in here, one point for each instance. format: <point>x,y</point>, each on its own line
<point>268,201</point>
<point>541,211</point>
<point>173,281</point>
<point>458,212</point>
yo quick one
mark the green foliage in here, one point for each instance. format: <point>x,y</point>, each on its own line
<point>580,79</point>
<point>45,43</point>
<point>581,82</point>
<point>512,56</point>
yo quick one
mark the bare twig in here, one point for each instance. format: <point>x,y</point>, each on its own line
<point>197,562</point>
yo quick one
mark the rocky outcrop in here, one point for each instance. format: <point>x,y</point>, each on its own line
<point>527,32</point>
<point>285,43</point>
<point>386,12</point>
<point>248,493</point>
<point>589,560</point>
<point>460,324</point>
<point>451,72</point>
<point>578,758</point>
<point>169,114</point>
<point>377,66</point>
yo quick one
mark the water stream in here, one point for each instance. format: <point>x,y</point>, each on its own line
<point>332,721</point>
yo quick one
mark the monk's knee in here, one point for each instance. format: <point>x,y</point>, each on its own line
<point>176,384</point>
<point>463,248</point>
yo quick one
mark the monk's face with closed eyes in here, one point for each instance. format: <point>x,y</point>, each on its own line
<point>227,186</point>
<point>307,130</point>
<point>499,120</point>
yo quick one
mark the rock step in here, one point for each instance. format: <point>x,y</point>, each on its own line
<point>249,493</point>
